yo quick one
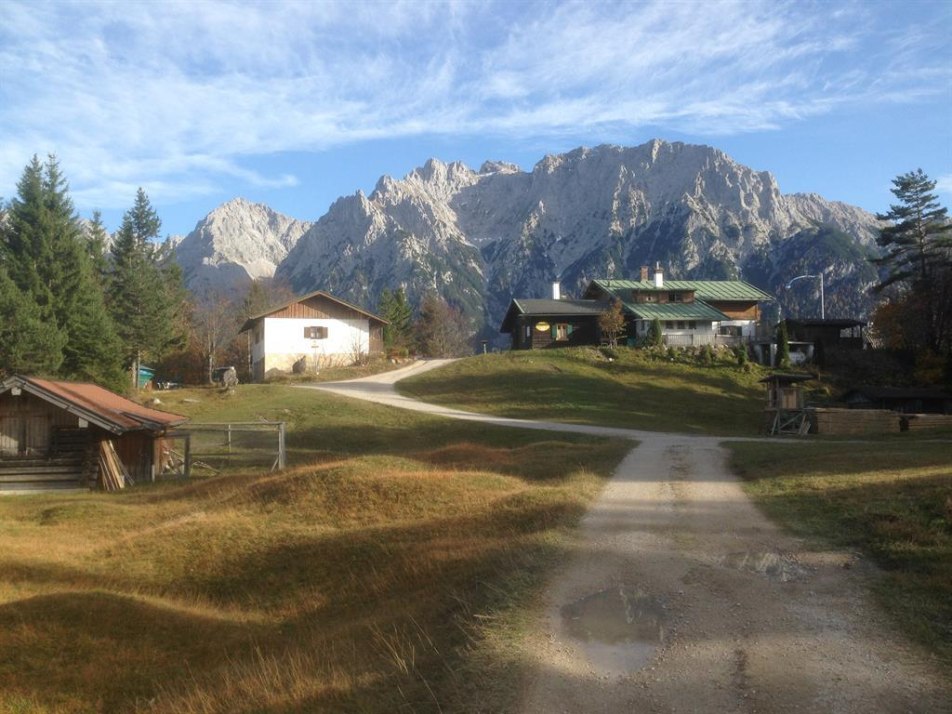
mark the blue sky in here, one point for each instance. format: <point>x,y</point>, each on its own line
<point>293,104</point>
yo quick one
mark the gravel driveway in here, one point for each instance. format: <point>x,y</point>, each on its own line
<point>682,597</point>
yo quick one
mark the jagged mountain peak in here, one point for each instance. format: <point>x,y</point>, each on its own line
<point>237,242</point>
<point>481,237</point>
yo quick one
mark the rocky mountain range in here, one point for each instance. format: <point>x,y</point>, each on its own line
<point>478,238</point>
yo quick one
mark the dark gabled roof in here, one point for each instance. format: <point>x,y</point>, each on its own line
<point>838,323</point>
<point>707,290</point>
<point>249,323</point>
<point>95,404</point>
<point>551,308</point>
<point>785,379</point>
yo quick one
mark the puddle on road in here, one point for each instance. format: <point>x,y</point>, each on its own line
<point>618,629</point>
<point>774,565</point>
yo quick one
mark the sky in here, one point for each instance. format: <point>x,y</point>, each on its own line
<point>294,104</point>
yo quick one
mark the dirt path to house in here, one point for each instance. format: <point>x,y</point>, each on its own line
<point>681,597</point>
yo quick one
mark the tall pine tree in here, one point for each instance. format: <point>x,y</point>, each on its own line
<point>28,344</point>
<point>395,309</point>
<point>917,263</point>
<point>145,299</point>
<point>47,258</point>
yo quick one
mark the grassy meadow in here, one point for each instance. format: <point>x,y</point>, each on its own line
<point>889,501</point>
<point>387,569</point>
<point>393,565</point>
<point>638,389</point>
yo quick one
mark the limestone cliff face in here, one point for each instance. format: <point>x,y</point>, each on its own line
<point>237,242</point>
<point>479,238</point>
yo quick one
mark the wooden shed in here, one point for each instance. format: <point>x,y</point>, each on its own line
<point>52,434</point>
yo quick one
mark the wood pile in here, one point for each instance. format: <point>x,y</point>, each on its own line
<point>112,472</point>
<point>918,422</point>
<point>853,421</point>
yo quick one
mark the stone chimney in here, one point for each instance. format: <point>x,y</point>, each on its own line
<point>658,276</point>
<point>556,291</point>
<point>644,273</point>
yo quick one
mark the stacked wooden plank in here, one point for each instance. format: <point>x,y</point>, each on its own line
<point>40,474</point>
<point>853,421</point>
<point>112,472</point>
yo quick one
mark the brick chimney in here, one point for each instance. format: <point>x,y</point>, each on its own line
<point>644,273</point>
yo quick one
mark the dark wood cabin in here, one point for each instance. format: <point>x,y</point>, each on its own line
<point>826,335</point>
<point>51,433</point>
<point>906,400</point>
<point>538,324</point>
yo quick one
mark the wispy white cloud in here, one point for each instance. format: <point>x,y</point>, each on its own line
<point>183,94</point>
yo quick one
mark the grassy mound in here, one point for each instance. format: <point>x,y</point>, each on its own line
<point>700,393</point>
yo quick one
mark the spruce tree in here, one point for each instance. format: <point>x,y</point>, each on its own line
<point>46,258</point>
<point>98,239</point>
<point>394,308</point>
<point>28,344</point>
<point>145,299</point>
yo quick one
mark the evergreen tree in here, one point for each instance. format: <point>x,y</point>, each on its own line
<point>783,346</point>
<point>394,308</point>
<point>28,344</point>
<point>146,300</point>
<point>918,264</point>
<point>655,333</point>
<point>98,239</point>
<point>46,258</point>
<point>918,239</point>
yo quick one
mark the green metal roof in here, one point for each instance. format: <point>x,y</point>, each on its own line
<point>703,289</point>
<point>675,311</point>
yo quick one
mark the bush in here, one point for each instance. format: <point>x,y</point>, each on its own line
<point>705,355</point>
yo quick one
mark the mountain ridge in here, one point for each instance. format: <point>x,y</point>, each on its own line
<point>479,238</point>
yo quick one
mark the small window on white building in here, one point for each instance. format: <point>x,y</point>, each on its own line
<point>315,333</point>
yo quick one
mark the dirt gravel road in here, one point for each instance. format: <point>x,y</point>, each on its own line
<point>682,597</point>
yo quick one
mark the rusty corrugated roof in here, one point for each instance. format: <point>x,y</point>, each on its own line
<point>96,404</point>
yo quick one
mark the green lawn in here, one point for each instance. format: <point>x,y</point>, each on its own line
<point>891,501</point>
<point>636,390</point>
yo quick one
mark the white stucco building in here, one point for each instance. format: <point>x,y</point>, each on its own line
<point>314,331</point>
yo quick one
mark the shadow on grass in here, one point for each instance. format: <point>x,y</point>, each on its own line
<point>79,651</point>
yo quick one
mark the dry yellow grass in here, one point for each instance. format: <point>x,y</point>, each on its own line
<point>376,582</point>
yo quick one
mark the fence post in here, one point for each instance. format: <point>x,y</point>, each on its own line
<point>282,459</point>
<point>188,455</point>
<point>228,442</point>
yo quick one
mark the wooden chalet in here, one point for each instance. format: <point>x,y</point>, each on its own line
<point>691,313</point>
<point>536,324</point>
<point>312,331</point>
<point>55,434</point>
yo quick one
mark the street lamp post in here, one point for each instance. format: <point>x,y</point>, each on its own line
<point>820,276</point>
